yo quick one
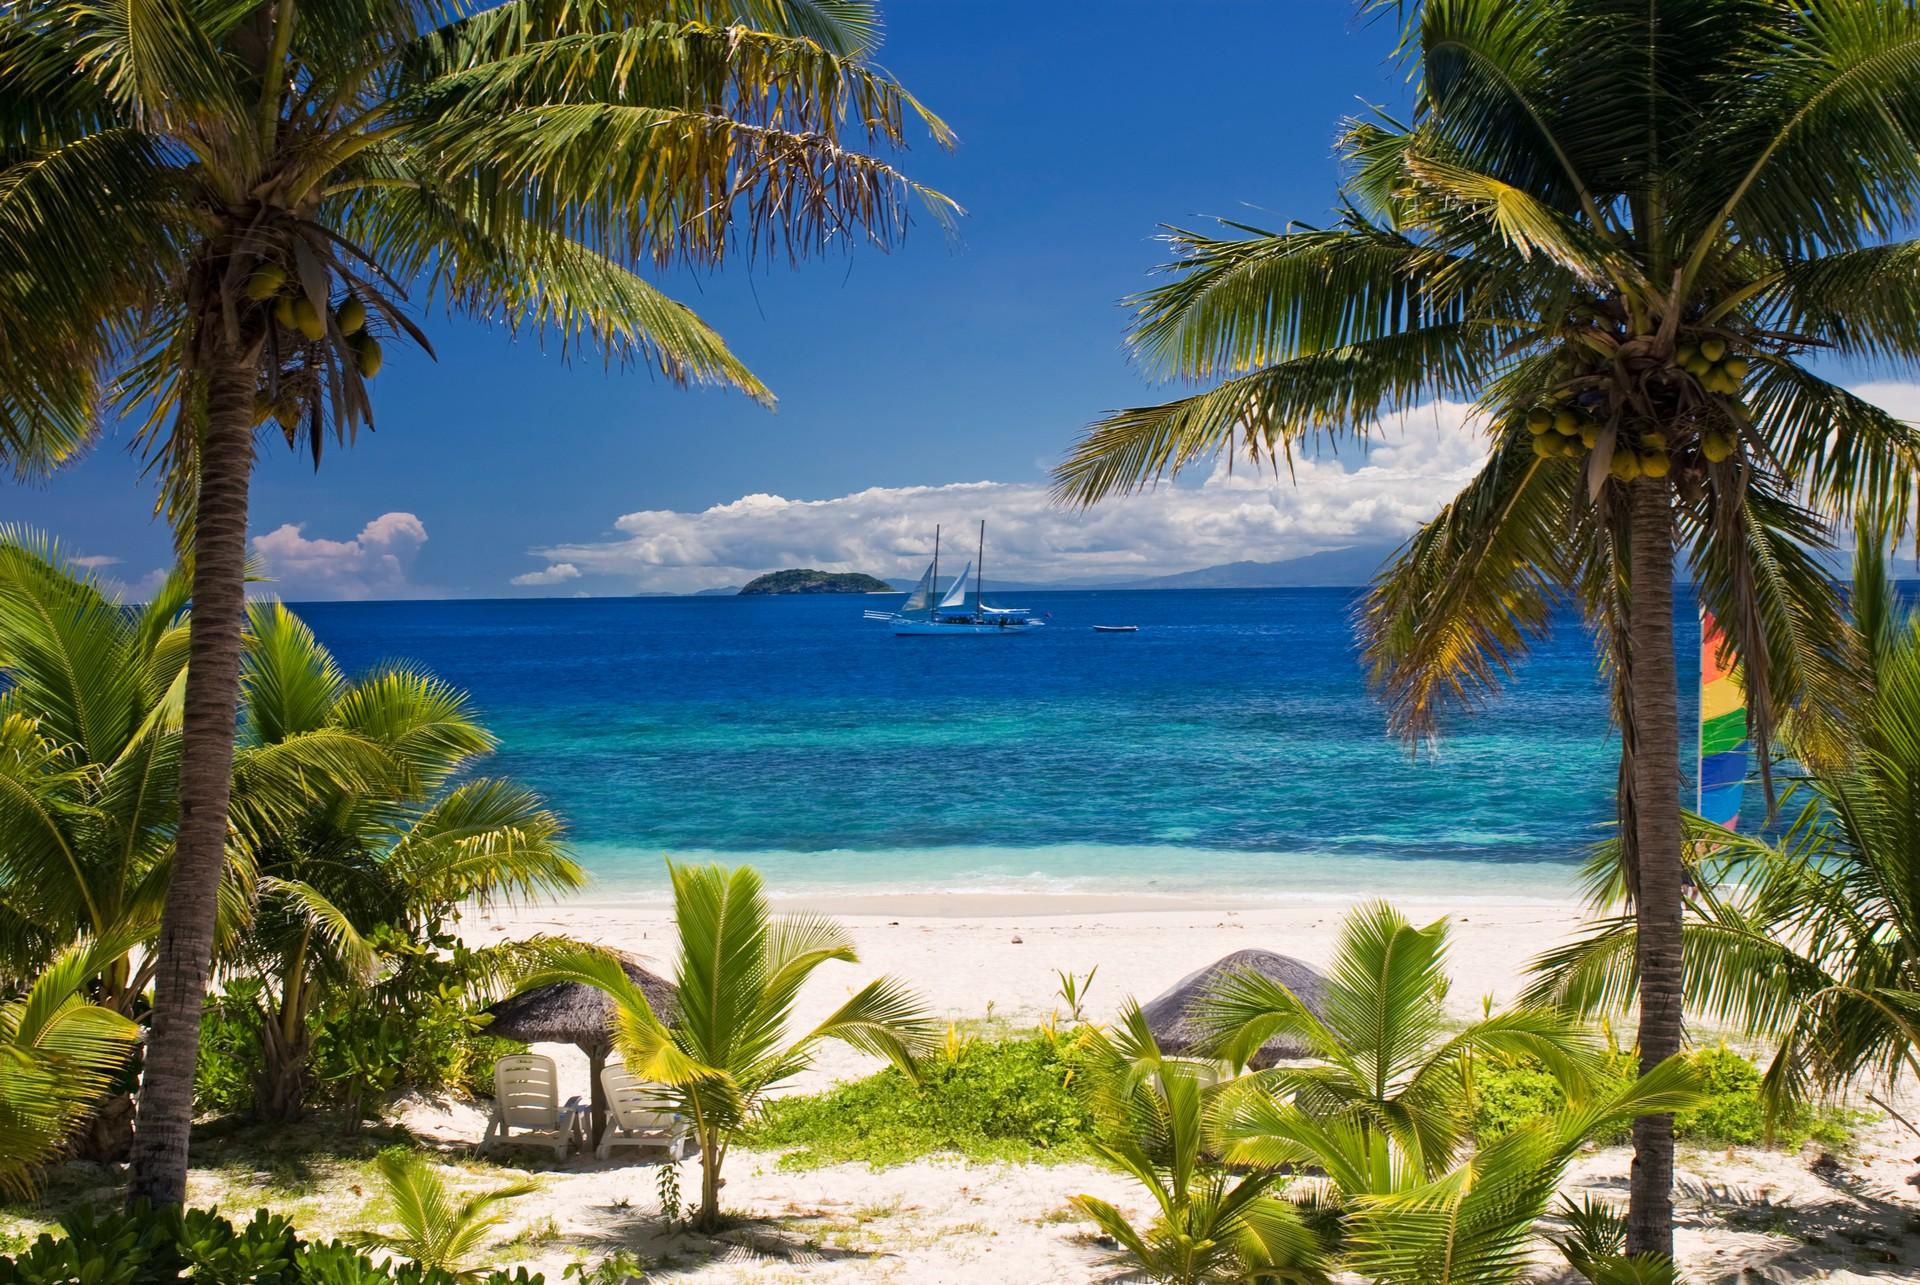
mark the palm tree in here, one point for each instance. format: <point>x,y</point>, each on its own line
<point>1471,1224</point>
<point>1811,940</point>
<point>1387,1058</point>
<point>401,850</point>
<point>740,970</point>
<point>89,766</point>
<point>1159,1114</point>
<point>1618,230</point>
<point>282,172</point>
<point>1366,1140</point>
<point>59,1054</point>
<point>89,756</point>
<point>436,1231</point>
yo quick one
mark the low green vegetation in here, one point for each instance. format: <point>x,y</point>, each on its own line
<point>118,1248</point>
<point>1731,1111</point>
<point>1016,1099</point>
<point>416,1026</point>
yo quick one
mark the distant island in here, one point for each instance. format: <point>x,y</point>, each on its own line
<point>806,580</point>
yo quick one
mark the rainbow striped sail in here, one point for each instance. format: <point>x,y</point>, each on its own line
<point>1723,728</point>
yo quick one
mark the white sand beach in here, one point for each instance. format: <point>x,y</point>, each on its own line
<point>974,954</point>
<point>1745,1214</point>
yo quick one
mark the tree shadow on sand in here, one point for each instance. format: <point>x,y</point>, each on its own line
<point>798,1238</point>
<point>1856,1226</point>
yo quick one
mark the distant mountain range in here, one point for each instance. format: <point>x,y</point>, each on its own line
<point>1332,568</point>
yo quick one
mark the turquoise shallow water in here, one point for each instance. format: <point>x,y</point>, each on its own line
<point>1230,745</point>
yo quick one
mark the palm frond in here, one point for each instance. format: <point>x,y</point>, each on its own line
<point>436,1230</point>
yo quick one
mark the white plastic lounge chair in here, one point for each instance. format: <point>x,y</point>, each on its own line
<point>637,1118</point>
<point>526,1105</point>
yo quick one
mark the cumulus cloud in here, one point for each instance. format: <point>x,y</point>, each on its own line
<point>558,573</point>
<point>1422,458</point>
<point>374,564</point>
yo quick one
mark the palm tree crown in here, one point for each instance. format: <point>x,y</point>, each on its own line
<point>284,171</point>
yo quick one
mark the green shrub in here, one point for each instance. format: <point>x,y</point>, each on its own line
<point>1732,1113</point>
<point>1508,1094</point>
<point>985,1099</point>
<point>118,1248</point>
<point>415,1029</point>
<point>230,1055</point>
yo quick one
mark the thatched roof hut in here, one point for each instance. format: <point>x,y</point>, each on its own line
<point>576,1013</point>
<point>1170,1014</point>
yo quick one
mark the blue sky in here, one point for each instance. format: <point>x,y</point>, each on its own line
<point>904,378</point>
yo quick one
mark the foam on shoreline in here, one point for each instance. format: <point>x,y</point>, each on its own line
<point>1083,878</point>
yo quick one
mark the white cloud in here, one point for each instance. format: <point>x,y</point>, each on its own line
<point>558,573</point>
<point>1424,457</point>
<point>1893,396</point>
<point>95,561</point>
<point>374,564</point>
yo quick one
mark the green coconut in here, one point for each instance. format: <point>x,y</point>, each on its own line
<point>1654,440</point>
<point>367,356</point>
<point>1735,367</point>
<point>1566,423</point>
<point>1589,435</point>
<point>1539,420</point>
<point>266,282</point>
<point>1713,348</point>
<point>283,311</point>
<point>1716,446</point>
<point>1698,366</point>
<point>1655,464</point>
<point>351,316</point>
<point>1625,466</point>
<point>1547,446</point>
<point>307,319</point>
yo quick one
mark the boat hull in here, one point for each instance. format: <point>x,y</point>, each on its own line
<point>925,628</point>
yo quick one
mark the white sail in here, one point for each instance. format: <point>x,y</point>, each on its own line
<point>922,596</point>
<point>957,591</point>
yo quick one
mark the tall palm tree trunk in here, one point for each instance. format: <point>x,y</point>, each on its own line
<point>183,956</point>
<point>1655,700</point>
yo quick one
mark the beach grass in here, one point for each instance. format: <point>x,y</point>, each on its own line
<point>1010,1099</point>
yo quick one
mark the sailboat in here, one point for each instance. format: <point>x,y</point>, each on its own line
<point>957,611</point>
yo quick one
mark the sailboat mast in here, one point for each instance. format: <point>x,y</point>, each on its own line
<point>933,590</point>
<point>980,573</point>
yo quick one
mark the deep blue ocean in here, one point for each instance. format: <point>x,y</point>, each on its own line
<point>1231,744</point>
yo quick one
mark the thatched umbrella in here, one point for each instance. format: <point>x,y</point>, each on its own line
<point>1170,1013</point>
<point>576,1013</point>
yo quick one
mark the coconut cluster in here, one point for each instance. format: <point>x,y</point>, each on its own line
<point>1570,430</point>
<point>1708,361</point>
<point>1571,424</point>
<point>294,311</point>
